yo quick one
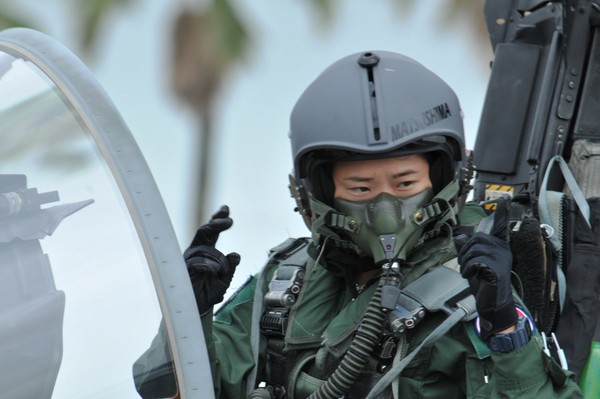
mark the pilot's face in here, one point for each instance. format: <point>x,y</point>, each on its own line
<point>399,176</point>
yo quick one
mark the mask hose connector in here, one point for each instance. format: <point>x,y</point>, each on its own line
<point>390,292</point>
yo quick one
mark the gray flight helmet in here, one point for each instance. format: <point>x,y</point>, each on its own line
<point>371,105</point>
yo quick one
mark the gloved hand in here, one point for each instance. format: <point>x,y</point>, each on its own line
<point>211,272</point>
<point>486,262</point>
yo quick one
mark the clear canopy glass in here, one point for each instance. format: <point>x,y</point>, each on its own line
<point>78,304</point>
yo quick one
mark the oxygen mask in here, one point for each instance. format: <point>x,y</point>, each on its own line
<point>386,228</point>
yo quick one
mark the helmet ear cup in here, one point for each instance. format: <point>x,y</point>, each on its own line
<point>300,195</point>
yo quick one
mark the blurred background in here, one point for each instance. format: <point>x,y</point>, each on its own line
<point>206,87</point>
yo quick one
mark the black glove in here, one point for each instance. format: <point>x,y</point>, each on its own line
<point>486,262</point>
<point>211,272</point>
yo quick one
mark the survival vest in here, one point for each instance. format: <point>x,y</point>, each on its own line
<point>442,289</point>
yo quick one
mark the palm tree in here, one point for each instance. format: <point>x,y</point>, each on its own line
<point>206,45</point>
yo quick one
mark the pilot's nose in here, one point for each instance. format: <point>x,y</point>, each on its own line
<point>388,189</point>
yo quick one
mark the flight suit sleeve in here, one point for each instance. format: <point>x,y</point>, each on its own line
<point>227,337</point>
<point>525,372</point>
<point>528,372</point>
<point>153,372</point>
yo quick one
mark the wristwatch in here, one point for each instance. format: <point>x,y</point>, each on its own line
<point>510,341</point>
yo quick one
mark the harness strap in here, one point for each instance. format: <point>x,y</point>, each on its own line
<point>257,306</point>
<point>288,247</point>
<point>465,309</point>
<point>578,196</point>
<point>550,204</point>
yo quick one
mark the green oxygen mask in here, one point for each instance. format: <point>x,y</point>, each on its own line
<point>386,225</point>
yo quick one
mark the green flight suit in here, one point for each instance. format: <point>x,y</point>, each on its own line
<point>321,326</point>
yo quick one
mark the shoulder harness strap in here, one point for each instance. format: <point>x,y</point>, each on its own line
<point>276,255</point>
<point>284,287</point>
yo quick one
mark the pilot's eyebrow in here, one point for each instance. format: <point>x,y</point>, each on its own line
<point>357,179</point>
<point>405,173</point>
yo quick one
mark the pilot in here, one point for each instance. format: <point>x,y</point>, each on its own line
<point>384,299</point>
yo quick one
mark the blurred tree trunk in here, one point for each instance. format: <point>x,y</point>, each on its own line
<point>197,71</point>
<point>206,44</point>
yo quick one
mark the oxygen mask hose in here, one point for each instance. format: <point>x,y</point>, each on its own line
<point>368,333</point>
<point>356,357</point>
